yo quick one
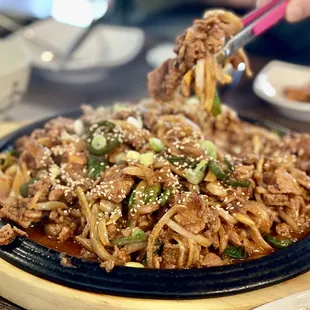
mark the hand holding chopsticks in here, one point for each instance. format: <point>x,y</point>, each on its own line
<point>255,24</point>
<point>296,9</point>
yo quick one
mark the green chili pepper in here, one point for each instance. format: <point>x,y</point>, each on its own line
<point>132,199</point>
<point>217,171</point>
<point>113,144</point>
<point>235,252</point>
<point>95,166</point>
<point>99,145</point>
<point>24,189</point>
<point>151,193</point>
<point>7,161</point>
<point>230,166</point>
<point>236,183</point>
<point>177,160</point>
<point>278,243</point>
<point>104,126</point>
<point>164,197</point>
<point>137,236</point>
<point>222,176</point>
<point>216,107</point>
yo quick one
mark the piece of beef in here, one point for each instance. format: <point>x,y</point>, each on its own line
<point>43,185</point>
<point>276,200</point>
<point>21,216</point>
<point>211,260</point>
<point>35,155</point>
<point>163,81</point>
<point>114,187</point>
<point>170,256</point>
<point>55,127</point>
<point>9,233</point>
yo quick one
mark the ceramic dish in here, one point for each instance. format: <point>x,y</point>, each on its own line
<point>107,47</point>
<point>169,284</point>
<point>271,82</point>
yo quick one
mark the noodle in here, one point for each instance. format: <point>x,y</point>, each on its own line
<point>156,230</point>
<point>96,244</point>
<point>181,184</point>
<point>185,233</point>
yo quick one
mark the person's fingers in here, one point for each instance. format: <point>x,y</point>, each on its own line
<point>298,10</point>
<point>262,2</point>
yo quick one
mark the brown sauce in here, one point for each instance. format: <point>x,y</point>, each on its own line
<point>37,234</point>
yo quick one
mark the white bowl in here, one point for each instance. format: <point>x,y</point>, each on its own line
<point>107,47</point>
<point>14,74</point>
<point>271,82</point>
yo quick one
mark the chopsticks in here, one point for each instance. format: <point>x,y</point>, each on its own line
<point>256,23</point>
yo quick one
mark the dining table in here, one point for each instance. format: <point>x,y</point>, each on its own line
<point>129,83</point>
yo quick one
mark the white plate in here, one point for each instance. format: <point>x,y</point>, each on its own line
<point>299,301</point>
<point>274,78</point>
<point>106,47</point>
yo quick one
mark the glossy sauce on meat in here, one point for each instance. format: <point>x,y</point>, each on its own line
<point>37,234</point>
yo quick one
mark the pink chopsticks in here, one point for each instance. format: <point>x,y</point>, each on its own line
<point>255,24</point>
<point>272,17</point>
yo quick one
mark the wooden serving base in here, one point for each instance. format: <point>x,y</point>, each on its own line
<point>32,292</point>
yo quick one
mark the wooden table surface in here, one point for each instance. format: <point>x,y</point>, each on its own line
<point>243,100</point>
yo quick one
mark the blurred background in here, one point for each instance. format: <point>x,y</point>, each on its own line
<point>128,39</point>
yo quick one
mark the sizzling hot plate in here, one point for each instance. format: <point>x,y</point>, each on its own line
<point>146,283</point>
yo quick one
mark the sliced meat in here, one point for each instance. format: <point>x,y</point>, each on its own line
<point>55,127</point>
<point>21,216</point>
<point>170,256</point>
<point>34,154</point>
<point>243,172</point>
<point>211,260</point>
<point>56,194</point>
<point>286,183</point>
<point>302,178</point>
<point>9,233</point>
<point>114,187</point>
<point>43,185</point>
<point>163,81</point>
<point>276,200</point>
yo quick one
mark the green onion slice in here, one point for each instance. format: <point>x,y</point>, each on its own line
<point>156,144</point>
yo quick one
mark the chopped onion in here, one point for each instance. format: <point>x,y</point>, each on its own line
<point>156,144</point>
<point>50,205</point>
<point>193,100</point>
<point>134,265</point>
<point>135,122</point>
<point>216,189</point>
<point>132,155</point>
<point>209,148</point>
<point>78,127</point>
<point>147,159</point>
